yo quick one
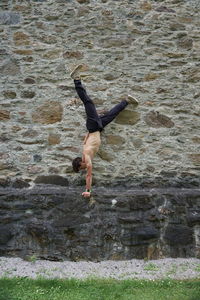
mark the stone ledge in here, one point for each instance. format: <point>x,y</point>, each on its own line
<point>55,222</point>
<point>163,180</point>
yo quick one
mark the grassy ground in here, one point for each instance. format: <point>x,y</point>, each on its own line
<point>98,289</point>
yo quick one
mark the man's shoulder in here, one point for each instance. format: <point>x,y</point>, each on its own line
<point>88,158</point>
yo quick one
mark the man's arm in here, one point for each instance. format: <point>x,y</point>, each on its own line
<point>88,176</point>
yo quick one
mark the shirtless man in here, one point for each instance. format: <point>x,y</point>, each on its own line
<point>95,125</point>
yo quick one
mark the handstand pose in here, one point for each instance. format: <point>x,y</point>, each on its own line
<point>95,125</point>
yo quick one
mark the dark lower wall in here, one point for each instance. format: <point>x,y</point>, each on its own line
<point>55,222</point>
<point>145,48</point>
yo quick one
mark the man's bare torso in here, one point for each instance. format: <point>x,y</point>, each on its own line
<point>91,144</point>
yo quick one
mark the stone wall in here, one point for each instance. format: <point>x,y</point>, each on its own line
<point>56,223</point>
<point>149,49</point>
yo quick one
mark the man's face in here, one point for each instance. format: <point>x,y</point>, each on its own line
<point>82,166</point>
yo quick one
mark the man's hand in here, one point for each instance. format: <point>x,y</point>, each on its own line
<point>86,194</point>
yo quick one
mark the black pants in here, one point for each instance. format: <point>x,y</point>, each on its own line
<point>94,121</point>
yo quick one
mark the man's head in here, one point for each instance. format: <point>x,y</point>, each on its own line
<point>76,164</point>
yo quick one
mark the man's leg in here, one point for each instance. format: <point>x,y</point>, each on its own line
<point>111,115</point>
<point>88,103</point>
<point>93,120</point>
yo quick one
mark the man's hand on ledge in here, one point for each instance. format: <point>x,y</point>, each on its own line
<point>86,194</point>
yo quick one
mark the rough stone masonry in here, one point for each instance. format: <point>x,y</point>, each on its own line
<point>150,49</point>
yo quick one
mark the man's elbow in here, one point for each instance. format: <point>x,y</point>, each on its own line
<point>89,176</point>
<point>89,170</point>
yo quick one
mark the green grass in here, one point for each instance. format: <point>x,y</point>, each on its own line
<point>98,289</point>
<point>151,267</point>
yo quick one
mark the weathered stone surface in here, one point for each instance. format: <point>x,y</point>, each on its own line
<point>30,133</point>
<point>3,53</point>
<point>4,115</point>
<point>196,139</point>
<point>53,170</point>
<point>128,117</point>
<point>73,54</point>
<point>178,235</point>
<point>21,38</point>
<point>10,67</point>
<point>29,80</point>
<point>185,43</point>
<point>114,42</point>
<point>174,55</point>
<point>151,76</point>
<point>28,94</point>
<point>20,184</point>
<point>105,155</point>
<point>52,17</point>
<point>23,51</point>
<point>195,157</point>
<point>82,11</point>
<point>4,137</point>
<point>5,182</point>
<point>52,54</point>
<point>193,75</point>
<point>37,157</point>
<point>54,139</point>
<point>115,140</point>
<point>111,76</point>
<point>165,9</point>
<point>146,5</point>
<point>34,170</point>
<point>193,217</point>
<point>83,1</point>
<point>9,18</point>
<point>155,119</point>
<point>137,143</point>
<point>50,112</point>
<point>55,222</point>
<point>177,26</point>
<point>5,234</point>
<point>28,59</point>
<point>139,236</point>
<point>52,179</point>
<point>9,94</point>
<point>4,155</point>
<point>22,8</point>
<point>24,158</point>
<point>7,166</point>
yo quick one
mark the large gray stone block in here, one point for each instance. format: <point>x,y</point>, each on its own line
<point>9,18</point>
